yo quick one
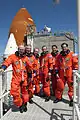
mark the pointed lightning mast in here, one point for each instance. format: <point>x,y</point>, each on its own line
<point>56,1</point>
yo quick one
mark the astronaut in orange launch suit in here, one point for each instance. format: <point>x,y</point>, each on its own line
<point>46,66</point>
<point>18,90</point>
<point>32,61</point>
<point>67,61</point>
<point>36,77</point>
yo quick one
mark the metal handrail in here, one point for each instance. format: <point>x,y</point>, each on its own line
<point>6,93</point>
<point>76,73</point>
<point>1,103</point>
<point>2,95</point>
<point>76,110</point>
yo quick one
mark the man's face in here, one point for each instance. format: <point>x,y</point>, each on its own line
<point>28,49</point>
<point>36,51</point>
<point>54,49</point>
<point>21,51</point>
<point>44,49</point>
<point>64,48</point>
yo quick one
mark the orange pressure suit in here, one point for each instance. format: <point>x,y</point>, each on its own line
<point>54,79</point>
<point>46,64</point>
<point>65,65</point>
<point>36,76</point>
<point>31,88</point>
<point>19,78</point>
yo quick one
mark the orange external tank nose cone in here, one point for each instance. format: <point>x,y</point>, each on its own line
<point>20,25</point>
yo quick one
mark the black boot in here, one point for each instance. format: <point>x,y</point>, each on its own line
<point>71,103</point>
<point>25,107</point>
<point>31,101</point>
<point>21,108</point>
<point>57,100</point>
<point>37,94</point>
<point>47,98</point>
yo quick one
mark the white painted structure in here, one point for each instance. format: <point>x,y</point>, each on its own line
<point>11,46</point>
<point>30,41</point>
<point>47,29</point>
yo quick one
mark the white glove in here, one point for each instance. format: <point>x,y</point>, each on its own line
<point>75,71</point>
<point>57,75</point>
<point>34,74</point>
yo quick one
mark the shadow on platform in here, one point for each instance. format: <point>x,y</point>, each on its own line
<point>14,108</point>
<point>5,108</point>
<point>54,115</point>
<point>65,101</point>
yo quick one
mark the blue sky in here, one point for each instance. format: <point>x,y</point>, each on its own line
<point>61,17</point>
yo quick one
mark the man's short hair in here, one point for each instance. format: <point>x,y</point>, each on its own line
<point>44,46</point>
<point>64,44</point>
<point>54,46</point>
<point>28,46</point>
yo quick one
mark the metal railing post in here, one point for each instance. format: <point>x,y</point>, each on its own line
<point>1,103</point>
<point>74,95</point>
<point>78,14</point>
<point>76,110</point>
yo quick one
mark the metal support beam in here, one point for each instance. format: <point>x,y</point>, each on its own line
<point>78,12</point>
